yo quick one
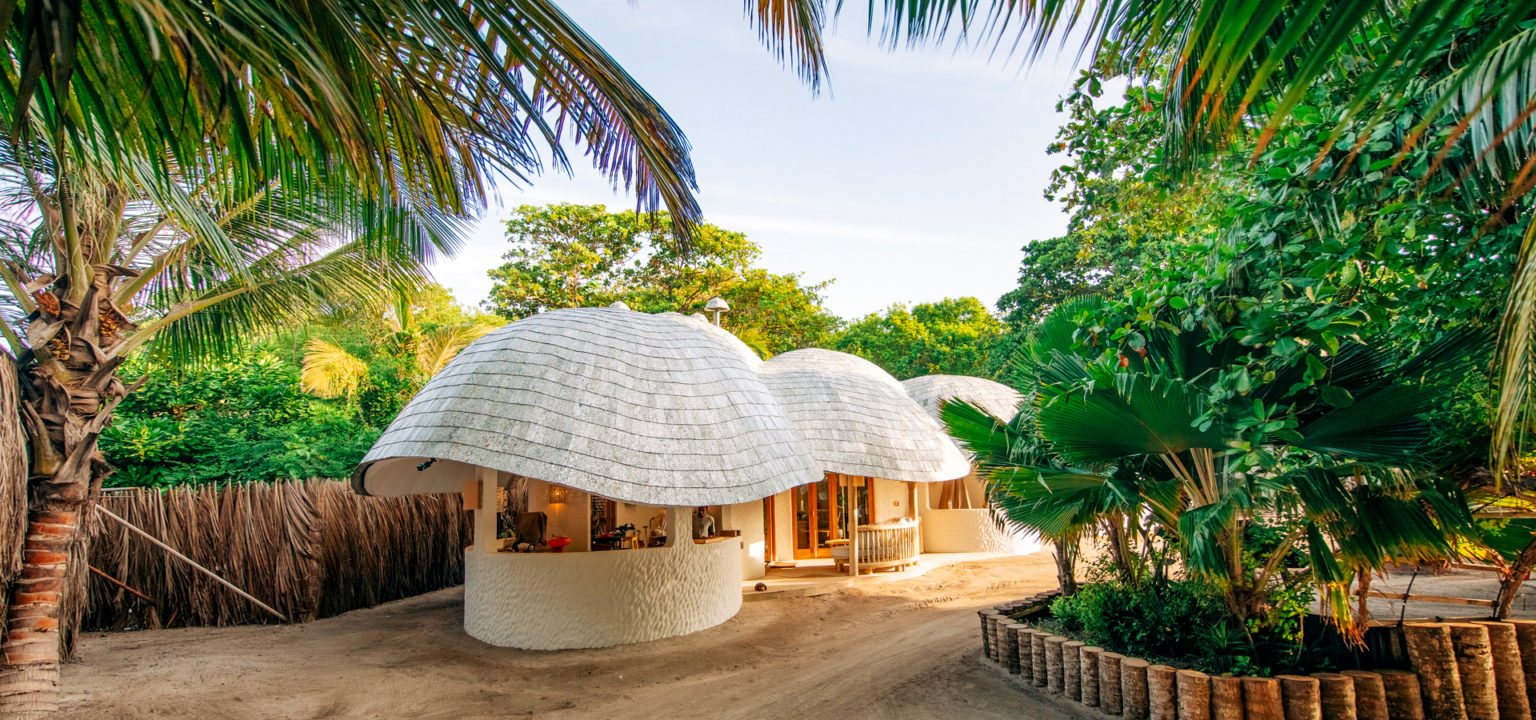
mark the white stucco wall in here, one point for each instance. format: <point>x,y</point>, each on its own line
<point>968,531</point>
<point>890,501</point>
<point>748,518</point>
<point>784,525</point>
<point>558,601</point>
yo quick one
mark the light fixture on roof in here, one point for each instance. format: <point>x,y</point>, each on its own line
<point>716,306</point>
<point>557,494</point>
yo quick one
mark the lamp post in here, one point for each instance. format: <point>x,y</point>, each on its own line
<point>716,306</point>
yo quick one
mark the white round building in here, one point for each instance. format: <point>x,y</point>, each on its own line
<point>621,433</point>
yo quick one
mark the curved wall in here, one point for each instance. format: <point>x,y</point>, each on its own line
<point>559,601</point>
<point>969,531</point>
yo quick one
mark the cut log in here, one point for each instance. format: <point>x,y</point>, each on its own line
<point>1370,695</point>
<point>1302,697</point>
<point>986,633</point>
<point>1055,678</point>
<point>1508,670</point>
<point>1338,696</point>
<point>988,620</point>
<point>1109,682</point>
<point>1024,654</point>
<point>1433,658</point>
<point>1474,665</point>
<point>1194,691</point>
<point>1134,703</point>
<point>1226,696</point>
<point>1072,669</point>
<point>1261,699</point>
<point>1037,658</point>
<point>1162,693</point>
<point>1525,637</point>
<point>1010,650</point>
<point>1404,702</point>
<point>1089,657</point>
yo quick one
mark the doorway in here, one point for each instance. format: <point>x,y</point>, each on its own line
<point>820,513</point>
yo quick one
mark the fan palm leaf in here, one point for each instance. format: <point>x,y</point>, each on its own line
<point>330,371</point>
<point>441,345</point>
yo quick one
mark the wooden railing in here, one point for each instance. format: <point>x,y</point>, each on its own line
<point>890,544</point>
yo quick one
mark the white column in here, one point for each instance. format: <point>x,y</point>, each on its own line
<point>485,517</point>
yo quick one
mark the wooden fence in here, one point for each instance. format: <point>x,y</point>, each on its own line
<point>309,549</point>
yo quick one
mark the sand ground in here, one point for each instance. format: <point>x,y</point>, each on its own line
<point>893,650</point>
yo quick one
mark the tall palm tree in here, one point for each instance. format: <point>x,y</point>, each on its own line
<point>188,172</point>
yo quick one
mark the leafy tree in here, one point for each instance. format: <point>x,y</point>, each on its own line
<point>566,255</point>
<point>1236,73</point>
<point>1124,212</point>
<point>376,361</point>
<point>240,420</point>
<point>954,336</point>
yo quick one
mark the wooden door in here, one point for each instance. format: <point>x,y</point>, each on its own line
<point>820,513</point>
<point>814,510</point>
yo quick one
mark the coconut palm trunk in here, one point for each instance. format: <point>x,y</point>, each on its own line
<point>68,389</point>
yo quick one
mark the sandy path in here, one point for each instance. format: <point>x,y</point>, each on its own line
<point>898,650</point>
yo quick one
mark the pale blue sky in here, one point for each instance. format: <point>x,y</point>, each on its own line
<point>916,176</point>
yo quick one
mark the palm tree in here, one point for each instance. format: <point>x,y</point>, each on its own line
<point>331,372</point>
<point>190,172</point>
<point>1122,439</point>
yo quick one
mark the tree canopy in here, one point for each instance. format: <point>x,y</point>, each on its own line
<point>954,336</point>
<point>566,255</point>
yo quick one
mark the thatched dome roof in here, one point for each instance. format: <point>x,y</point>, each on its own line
<point>654,409</point>
<point>996,398</point>
<point>858,420</point>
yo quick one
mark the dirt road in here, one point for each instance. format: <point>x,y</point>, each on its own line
<point>897,650</point>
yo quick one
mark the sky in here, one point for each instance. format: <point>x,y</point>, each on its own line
<point>916,176</point>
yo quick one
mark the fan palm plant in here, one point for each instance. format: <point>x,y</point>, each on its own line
<point>1138,435</point>
<point>189,172</point>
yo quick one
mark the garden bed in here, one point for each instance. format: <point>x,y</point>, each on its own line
<point>1480,669</point>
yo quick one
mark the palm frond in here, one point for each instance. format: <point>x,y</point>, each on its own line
<point>792,31</point>
<point>330,371</point>
<point>409,99</point>
<point>441,345</point>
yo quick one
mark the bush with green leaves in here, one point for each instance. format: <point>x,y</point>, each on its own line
<point>1184,621</point>
<point>240,421</point>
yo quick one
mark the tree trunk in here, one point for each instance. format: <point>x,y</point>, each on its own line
<point>1066,566</point>
<point>29,682</point>
<point>69,390</point>
<point>1363,611</point>
<point>1512,578</point>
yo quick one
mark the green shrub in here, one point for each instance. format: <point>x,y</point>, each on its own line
<point>241,421</point>
<point>1185,622</point>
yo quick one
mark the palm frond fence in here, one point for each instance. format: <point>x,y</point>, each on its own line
<point>309,549</point>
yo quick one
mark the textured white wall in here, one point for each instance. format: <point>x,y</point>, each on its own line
<point>558,601</point>
<point>968,531</point>
<point>748,518</point>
